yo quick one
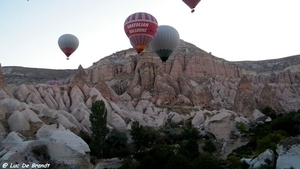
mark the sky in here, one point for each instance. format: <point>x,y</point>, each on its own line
<point>235,30</point>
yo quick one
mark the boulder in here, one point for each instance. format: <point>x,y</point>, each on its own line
<point>17,122</point>
<point>289,153</point>
<point>2,112</point>
<point>268,155</point>
<point>198,119</point>
<point>221,125</point>
<point>30,115</point>
<point>10,105</point>
<point>22,93</point>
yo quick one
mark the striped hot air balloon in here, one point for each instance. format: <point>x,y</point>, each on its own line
<point>54,82</point>
<point>165,41</point>
<point>68,43</point>
<point>140,28</point>
<point>191,3</point>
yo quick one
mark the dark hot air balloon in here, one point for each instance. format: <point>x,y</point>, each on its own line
<point>191,3</point>
<point>165,41</point>
<point>140,28</point>
<point>68,43</point>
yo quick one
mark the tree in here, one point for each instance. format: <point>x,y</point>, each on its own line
<point>143,137</point>
<point>190,132</point>
<point>116,145</point>
<point>209,147</point>
<point>189,149</point>
<point>98,119</point>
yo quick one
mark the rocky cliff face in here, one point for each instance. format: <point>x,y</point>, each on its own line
<point>192,85</point>
<point>203,79</point>
<point>190,76</point>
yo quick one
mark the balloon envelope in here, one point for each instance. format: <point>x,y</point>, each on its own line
<point>165,41</point>
<point>68,43</point>
<point>140,28</point>
<point>54,82</point>
<point>191,3</point>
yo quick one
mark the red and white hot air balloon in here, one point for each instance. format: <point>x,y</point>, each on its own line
<point>140,28</point>
<point>68,43</point>
<point>191,3</point>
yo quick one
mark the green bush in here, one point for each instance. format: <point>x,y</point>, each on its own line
<point>209,147</point>
<point>116,145</point>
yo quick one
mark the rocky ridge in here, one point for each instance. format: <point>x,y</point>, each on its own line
<point>192,85</point>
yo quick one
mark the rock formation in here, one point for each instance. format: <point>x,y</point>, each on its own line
<point>192,85</point>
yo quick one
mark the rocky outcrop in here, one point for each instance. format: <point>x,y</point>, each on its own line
<point>54,145</point>
<point>203,79</point>
<point>192,86</point>
<point>289,153</point>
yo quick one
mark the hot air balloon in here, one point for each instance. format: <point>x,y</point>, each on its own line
<point>68,43</point>
<point>165,41</point>
<point>140,28</point>
<point>54,82</point>
<point>192,4</point>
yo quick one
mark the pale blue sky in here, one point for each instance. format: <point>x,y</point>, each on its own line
<point>230,29</point>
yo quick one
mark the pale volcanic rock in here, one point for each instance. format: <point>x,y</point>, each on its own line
<point>163,91</point>
<point>63,146</point>
<point>10,105</point>
<point>201,96</point>
<point>80,111</point>
<point>142,105</point>
<point>176,70</point>
<point>146,95</point>
<point>12,148</point>
<point>30,115</point>
<point>116,120</point>
<point>60,102</point>
<point>3,94</point>
<point>41,90</point>
<point>76,97</point>
<point>3,86</point>
<point>80,79</point>
<point>176,118</point>
<point>184,87</point>
<point>71,119</point>
<point>288,153</point>
<point>44,110</point>
<point>50,101</point>
<point>198,119</point>
<point>183,100</point>
<point>221,125</point>
<point>34,98</point>
<point>245,100</point>
<point>2,112</point>
<point>257,115</point>
<point>269,98</point>
<point>66,99</point>
<point>17,122</point>
<point>22,93</point>
<point>261,159</point>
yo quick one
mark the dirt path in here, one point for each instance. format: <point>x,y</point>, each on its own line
<point>231,146</point>
<point>110,163</point>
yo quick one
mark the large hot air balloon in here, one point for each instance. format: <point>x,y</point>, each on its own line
<point>68,43</point>
<point>140,28</point>
<point>192,4</point>
<point>165,41</point>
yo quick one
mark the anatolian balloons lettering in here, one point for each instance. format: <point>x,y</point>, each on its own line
<point>140,28</point>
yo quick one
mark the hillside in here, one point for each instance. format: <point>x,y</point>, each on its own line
<point>192,87</point>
